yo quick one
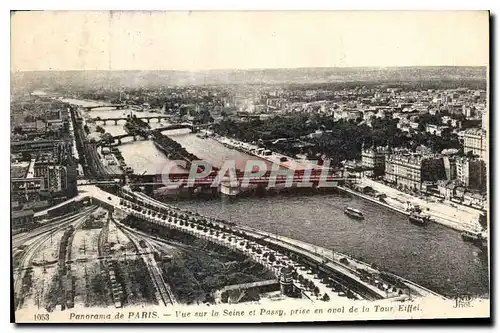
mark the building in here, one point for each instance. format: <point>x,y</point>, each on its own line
<point>25,190</point>
<point>450,167</point>
<point>55,114</point>
<point>447,120</point>
<point>21,218</point>
<point>485,120</point>
<point>409,171</point>
<point>349,114</point>
<point>37,146</point>
<point>474,140</point>
<point>374,158</point>
<point>54,124</point>
<point>33,129</point>
<point>469,111</point>
<point>446,189</point>
<point>25,186</point>
<point>471,173</point>
<point>434,129</point>
<point>57,178</point>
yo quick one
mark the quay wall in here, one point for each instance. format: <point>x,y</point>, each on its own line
<point>448,223</point>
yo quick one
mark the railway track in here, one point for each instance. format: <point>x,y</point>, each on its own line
<point>156,241</point>
<point>36,243</point>
<point>145,251</point>
<point>56,223</point>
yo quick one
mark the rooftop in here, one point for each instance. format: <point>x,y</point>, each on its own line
<point>19,170</point>
<point>22,213</point>
<point>54,121</point>
<point>474,131</point>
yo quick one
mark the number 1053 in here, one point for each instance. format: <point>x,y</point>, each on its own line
<point>41,316</point>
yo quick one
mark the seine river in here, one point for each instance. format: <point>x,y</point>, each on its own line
<point>433,256</point>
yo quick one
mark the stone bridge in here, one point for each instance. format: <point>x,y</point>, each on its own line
<point>117,106</point>
<point>117,119</point>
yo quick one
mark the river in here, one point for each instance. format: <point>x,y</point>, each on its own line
<point>434,256</point>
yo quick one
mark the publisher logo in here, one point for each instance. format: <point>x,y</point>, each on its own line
<point>463,302</point>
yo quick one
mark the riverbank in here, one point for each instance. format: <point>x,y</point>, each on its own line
<point>272,157</point>
<point>394,203</point>
<point>367,197</point>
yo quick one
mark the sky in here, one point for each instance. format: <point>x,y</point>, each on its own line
<point>192,41</point>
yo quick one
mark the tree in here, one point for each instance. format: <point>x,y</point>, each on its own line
<point>483,221</point>
<point>26,156</point>
<point>325,298</point>
<point>183,111</point>
<point>29,119</point>
<point>107,138</point>
<point>344,261</point>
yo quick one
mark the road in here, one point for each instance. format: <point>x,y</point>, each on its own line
<point>466,218</point>
<point>44,212</point>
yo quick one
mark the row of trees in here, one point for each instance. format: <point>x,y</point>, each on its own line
<point>341,140</point>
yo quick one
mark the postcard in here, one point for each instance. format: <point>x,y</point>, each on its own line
<point>249,166</point>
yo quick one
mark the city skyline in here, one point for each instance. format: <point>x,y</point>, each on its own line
<point>204,41</point>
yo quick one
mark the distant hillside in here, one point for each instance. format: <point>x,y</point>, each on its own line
<point>134,79</point>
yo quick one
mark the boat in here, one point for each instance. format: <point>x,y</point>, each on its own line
<point>202,135</point>
<point>471,236</point>
<point>478,238</point>
<point>419,219</point>
<point>354,213</point>
<point>137,108</point>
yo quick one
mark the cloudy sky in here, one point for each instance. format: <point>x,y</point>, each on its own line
<point>243,40</point>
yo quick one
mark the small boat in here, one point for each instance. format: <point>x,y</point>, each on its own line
<point>419,219</point>
<point>478,238</point>
<point>471,236</point>
<point>202,135</point>
<point>354,213</point>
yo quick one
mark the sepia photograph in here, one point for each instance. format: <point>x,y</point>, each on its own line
<point>249,166</point>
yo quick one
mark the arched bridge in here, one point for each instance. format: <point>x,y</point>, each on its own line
<point>117,119</point>
<point>317,178</point>
<point>117,106</point>
<point>192,127</point>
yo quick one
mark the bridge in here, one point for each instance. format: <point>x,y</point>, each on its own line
<point>229,187</point>
<point>117,106</point>
<point>299,178</point>
<point>330,273</point>
<point>83,182</point>
<point>117,119</point>
<point>192,127</point>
